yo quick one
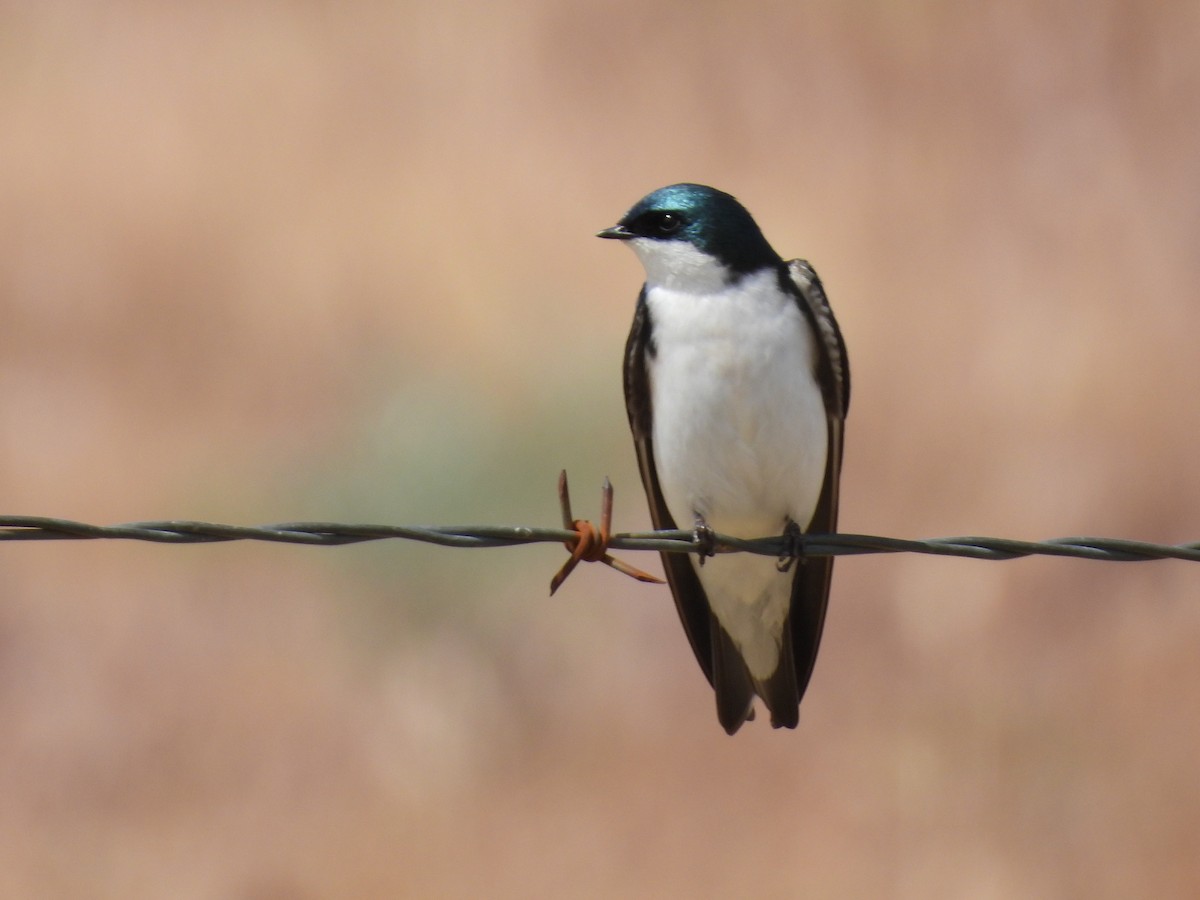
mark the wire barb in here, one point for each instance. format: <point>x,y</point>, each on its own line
<point>588,543</point>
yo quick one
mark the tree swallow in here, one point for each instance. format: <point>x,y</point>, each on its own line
<point>737,387</point>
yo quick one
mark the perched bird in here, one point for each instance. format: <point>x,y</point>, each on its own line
<point>737,387</point>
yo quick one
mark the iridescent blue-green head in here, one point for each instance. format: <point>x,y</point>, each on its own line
<point>688,234</point>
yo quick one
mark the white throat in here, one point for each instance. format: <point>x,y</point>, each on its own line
<point>680,266</point>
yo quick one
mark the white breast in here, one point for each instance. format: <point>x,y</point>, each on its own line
<point>739,420</point>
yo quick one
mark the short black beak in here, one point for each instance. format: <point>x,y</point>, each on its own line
<point>617,233</point>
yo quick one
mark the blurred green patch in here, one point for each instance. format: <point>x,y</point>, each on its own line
<point>452,450</point>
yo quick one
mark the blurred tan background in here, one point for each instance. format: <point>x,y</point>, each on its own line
<point>265,262</point>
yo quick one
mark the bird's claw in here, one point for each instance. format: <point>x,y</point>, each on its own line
<point>704,538</point>
<point>591,543</point>
<point>793,547</point>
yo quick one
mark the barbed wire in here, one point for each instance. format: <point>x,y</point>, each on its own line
<point>587,543</point>
<point>43,528</point>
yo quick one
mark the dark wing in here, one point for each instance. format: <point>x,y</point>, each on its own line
<point>833,368</point>
<point>810,590</point>
<point>690,599</point>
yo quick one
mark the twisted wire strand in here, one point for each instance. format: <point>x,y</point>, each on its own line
<point>44,528</point>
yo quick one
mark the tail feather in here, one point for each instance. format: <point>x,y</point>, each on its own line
<point>734,688</point>
<point>780,692</point>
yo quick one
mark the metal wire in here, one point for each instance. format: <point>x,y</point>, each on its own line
<point>42,528</point>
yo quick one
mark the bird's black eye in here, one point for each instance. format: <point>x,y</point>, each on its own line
<point>666,223</point>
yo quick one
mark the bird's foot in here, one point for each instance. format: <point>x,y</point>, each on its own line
<point>793,547</point>
<point>704,538</point>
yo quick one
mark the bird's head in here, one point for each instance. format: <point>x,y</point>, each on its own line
<point>690,236</point>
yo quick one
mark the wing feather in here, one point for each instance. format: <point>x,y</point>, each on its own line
<point>690,599</point>
<point>810,589</point>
